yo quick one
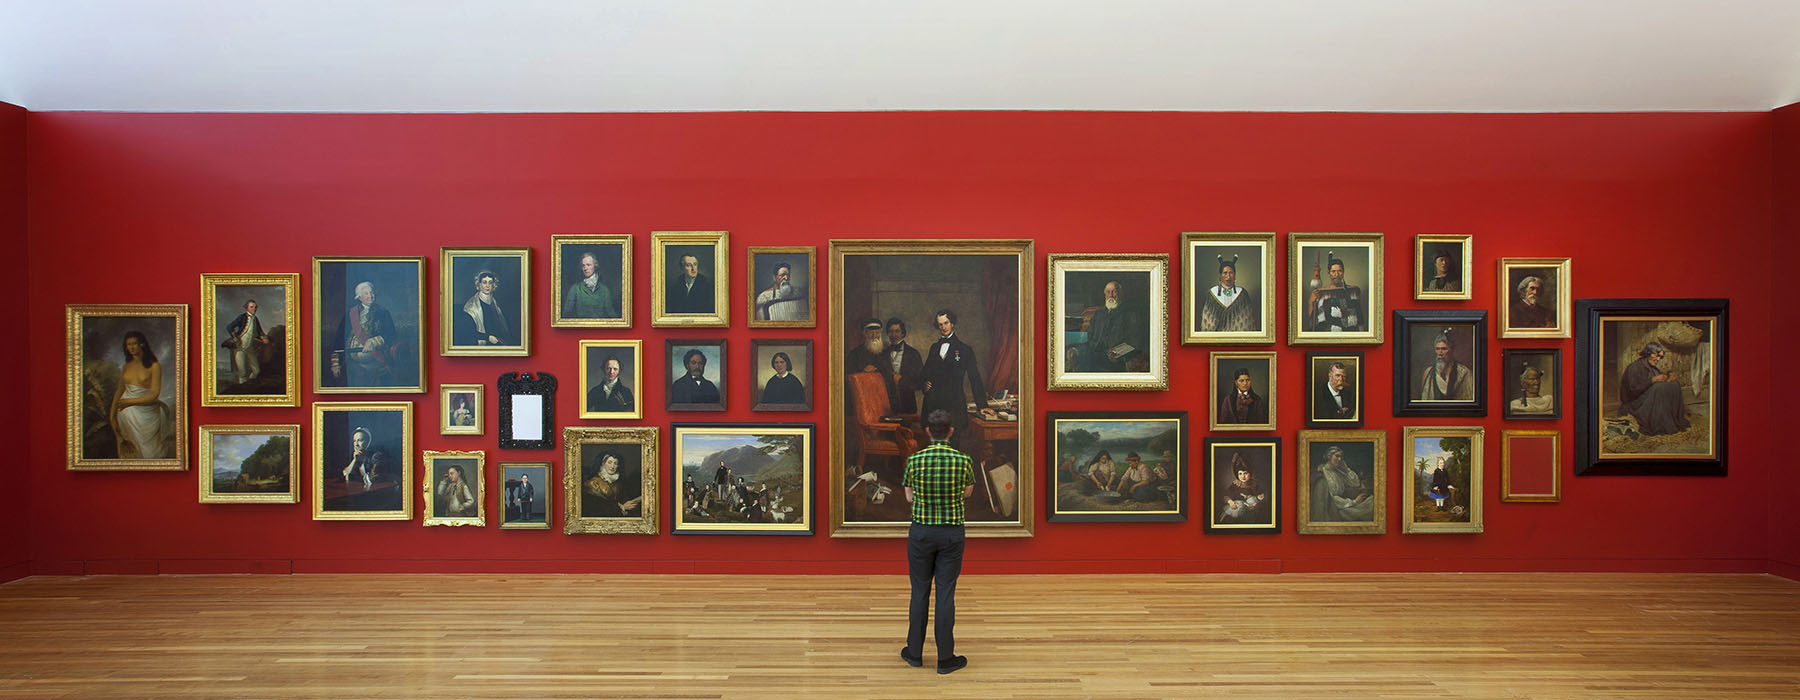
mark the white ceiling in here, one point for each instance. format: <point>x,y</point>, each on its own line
<point>723,55</point>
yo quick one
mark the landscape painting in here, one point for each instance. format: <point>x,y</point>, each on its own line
<point>1118,466</point>
<point>249,463</point>
<point>742,479</point>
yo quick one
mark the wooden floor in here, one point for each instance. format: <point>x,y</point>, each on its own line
<point>1291,636</point>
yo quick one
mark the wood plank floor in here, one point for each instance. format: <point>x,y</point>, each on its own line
<point>1290,636</point>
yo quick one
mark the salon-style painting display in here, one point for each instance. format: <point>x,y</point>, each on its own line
<point>690,279</point>
<point>368,325</point>
<point>1228,294</point>
<point>1335,283</point>
<point>127,387</point>
<point>1652,380</point>
<point>249,335</point>
<point>1109,322</point>
<point>362,466</point>
<point>591,281</point>
<point>485,301</point>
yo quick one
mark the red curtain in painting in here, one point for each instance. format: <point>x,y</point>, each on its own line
<point>1000,294</point>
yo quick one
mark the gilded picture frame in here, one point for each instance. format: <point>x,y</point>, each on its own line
<point>796,303</point>
<point>497,324</point>
<point>1442,482</point>
<point>517,513</point>
<point>105,429</point>
<point>1257,377</point>
<point>1331,304</point>
<point>228,298</point>
<point>1205,259</point>
<point>384,456</point>
<point>623,401</point>
<point>1450,279</point>
<point>1543,450</point>
<point>264,458</point>
<point>1088,484</point>
<point>1243,485</point>
<point>592,503</point>
<point>1535,317</point>
<point>462,409</point>
<point>1335,392</point>
<point>454,490</point>
<point>706,302</point>
<point>1337,504</point>
<point>768,478</point>
<point>349,360</point>
<point>1653,379</point>
<point>772,391</point>
<point>990,281</point>
<point>605,305</point>
<point>1096,348</point>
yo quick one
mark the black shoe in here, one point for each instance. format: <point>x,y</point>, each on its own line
<point>910,660</point>
<point>952,664</point>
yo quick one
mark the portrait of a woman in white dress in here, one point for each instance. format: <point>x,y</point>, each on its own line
<point>139,417</point>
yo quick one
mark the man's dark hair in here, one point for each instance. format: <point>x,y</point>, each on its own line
<point>938,423</point>
<point>895,321</point>
<point>614,358</point>
<point>784,266</point>
<point>690,355</point>
<point>946,313</point>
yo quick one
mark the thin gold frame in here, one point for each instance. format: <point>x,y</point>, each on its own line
<point>1021,249</point>
<point>1269,394</point>
<point>1209,465</point>
<point>1303,467</point>
<point>649,517</point>
<point>637,379</point>
<point>1506,491</point>
<point>1565,303</point>
<point>659,279</point>
<point>678,523</point>
<point>1266,304</point>
<point>449,305</point>
<point>205,469</point>
<point>479,479</point>
<point>1376,307</point>
<point>444,426</point>
<point>1467,249</point>
<point>812,291</point>
<point>557,291</point>
<point>320,362</point>
<point>317,477</point>
<point>1063,378</point>
<point>74,369</point>
<point>549,495</point>
<point>209,340</point>
<point>1475,433</point>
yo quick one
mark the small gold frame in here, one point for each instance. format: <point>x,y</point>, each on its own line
<point>450,302</point>
<point>549,494</point>
<point>1506,467</point>
<point>636,347</point>
<point>1193,265</point>
<point>1304,463</point>
<point>1374,309</point>
<point>660,316</point>
<point>478,478</point>
<point>1565,301</point>
<point>174,368</point>
<point>649,515</point>
<point>205,462</point>
<point>210,342</point>
<point>559,292</point>
<point>1156,377</point>
<point>1269,393</point>
<point>1465,250</point>
<point>445,412</point>
<point>1410,484</point>
<point>317,477</point>
<point>812,281</point>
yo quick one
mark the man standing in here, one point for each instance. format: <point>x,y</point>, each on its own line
<point>1335,307</point>
<point>1243,406</point>
<point>610,395</point>
<point>781,301</point>
<point>1116,335</point>
<point>588,297</point>
<point>903,365</point>
<point>938,482</point>
<point>1528,311</point>
<point>948,363</point>
<point>1335,399</point>
<point>693,387</point>
<point>690,292</point>
<point>525,495</point>
<point>245,338</point>
<point>1446,379</point>
<point>368,333</point>
<point>482,323</point>
<point>1228,307</point>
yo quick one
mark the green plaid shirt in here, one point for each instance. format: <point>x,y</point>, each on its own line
<point>938,475</point>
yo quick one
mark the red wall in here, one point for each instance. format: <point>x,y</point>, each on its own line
<point>15,430</point>
<point>133,207</point>
<point>1784,519</point>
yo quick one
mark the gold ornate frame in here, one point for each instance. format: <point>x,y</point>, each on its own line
<point>812,291</point>
<point>1506,467</point>
<point>557,290</point>
<point>320,362</point>
<point>637,379</point>
<point>836,460</point>
<point>174,369</point>
<point>1409,484</point>
<point>317,477</point>
<point>449,304</point>
<point>1376,309</point>
<point>646,522</point>
<point>659,279</point>
<point>1064,378</point>
<point>1270,393</point>
<point>1565,302</point>
<point>209,340</point>
<point>479,478</point>
<point>1466,250</point>
<point>1304,461</point>
<point>549,494</point>
<point>1190,314</point>
<point>803,525</point>
<point>205,468</point>
<point>444,426</point>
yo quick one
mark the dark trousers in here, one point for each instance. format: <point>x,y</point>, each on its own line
<point>933,552</point>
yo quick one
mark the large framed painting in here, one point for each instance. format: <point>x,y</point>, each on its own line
<point>527,497</point>
<point>461,410</point>
<point>612,372</point>
<point>1109,322</point>
<point>1652,382</point>
<point>696,376</point>
<point>1229,292</point>
<point>1535,298</point>
<point>690,279</point>
<point>741,478</point>
<point>1531,466</point>
<point>249,464</point>
<point>609,481</point>
<point>1243,485</point>
<point>1243,391</point>
<point>455,492</point>
<point>781,374</point>
<point>1335,287</point>
<point>362,465</point>
<point>1334,389</point>
<point>249,339</point>
<point>974,297</point>
<point>1443,486</point>
<point>782,280</point>
<point>1441,266</point>
<point>1117,466</point>
<point>1342,484</point>
<point>127,386</point>
<point>368,325</point>
<point>1437,354</point>
<point>1532,381</point>
<point>484,301</point>
<point>591,285</point>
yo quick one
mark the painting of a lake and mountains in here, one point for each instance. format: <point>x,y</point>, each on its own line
<point>744,479</point>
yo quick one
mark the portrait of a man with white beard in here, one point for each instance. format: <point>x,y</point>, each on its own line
<point>1116,334</point>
